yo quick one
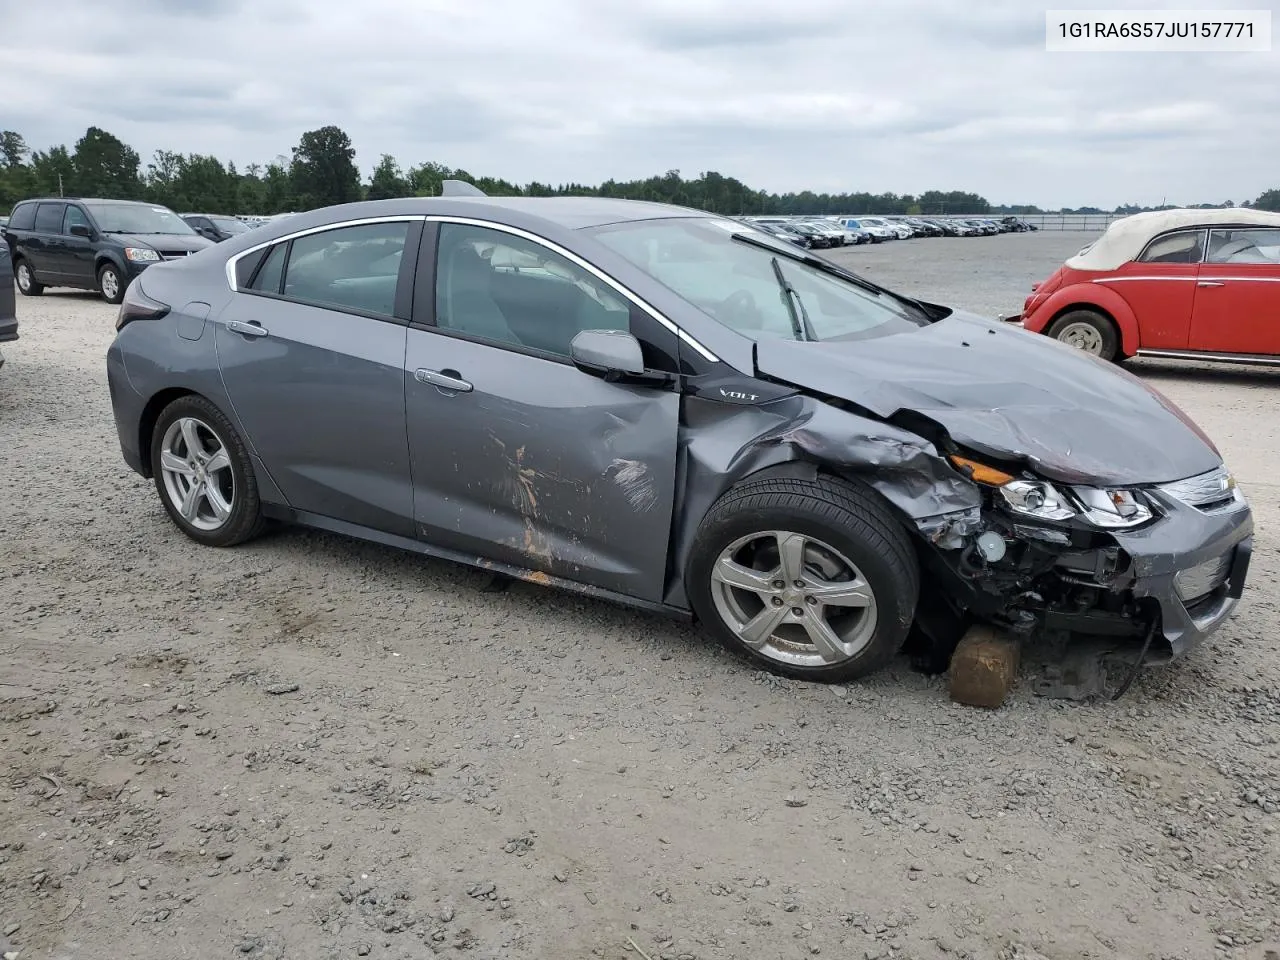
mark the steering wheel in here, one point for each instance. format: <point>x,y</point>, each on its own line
<point>739,310</point>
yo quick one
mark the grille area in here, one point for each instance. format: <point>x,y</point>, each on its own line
<point>174,254</point>
<point>1212,492</point>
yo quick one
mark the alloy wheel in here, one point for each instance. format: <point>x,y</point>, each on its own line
<point>794,598</point>
<point>197,474</point>
<point>24,278</point>
<point>110,284</point>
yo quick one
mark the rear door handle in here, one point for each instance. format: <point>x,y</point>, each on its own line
<point>444,379</point>
<point>248,329</point>
<point>1210,283</point>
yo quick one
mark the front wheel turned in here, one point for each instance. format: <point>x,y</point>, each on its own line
<point>812,579</point>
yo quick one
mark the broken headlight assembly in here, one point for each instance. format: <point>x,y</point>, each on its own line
<point>1104,508</point>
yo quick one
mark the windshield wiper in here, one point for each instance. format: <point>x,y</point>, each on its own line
<point>824,265</point>
<point>800,326</point>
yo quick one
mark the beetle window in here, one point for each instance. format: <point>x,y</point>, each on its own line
<point>1244,246</point>
<point>1186,247</point>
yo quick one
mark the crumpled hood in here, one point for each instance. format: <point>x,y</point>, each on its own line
<point>1013,394</point>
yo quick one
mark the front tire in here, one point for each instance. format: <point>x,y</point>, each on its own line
<point>203,474</point>
<point>111,284</point>
<point>811,579</point>
<point>28,286</point>
<point>1088,331</point>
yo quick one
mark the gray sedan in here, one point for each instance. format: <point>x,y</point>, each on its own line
<point>677,411</point>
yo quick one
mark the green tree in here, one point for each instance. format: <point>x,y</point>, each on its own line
<point>323,171</point>
<point>1269,201</point>
<point>53,173</point>
<point>106,167</point>
<point>387,181</point>
<point>13,148</point>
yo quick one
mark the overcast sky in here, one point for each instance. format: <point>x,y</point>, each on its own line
<point>829,95</point>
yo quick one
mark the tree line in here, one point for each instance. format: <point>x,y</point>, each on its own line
<point>321,170</point>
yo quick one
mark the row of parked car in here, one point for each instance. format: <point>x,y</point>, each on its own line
<point>824,232</point>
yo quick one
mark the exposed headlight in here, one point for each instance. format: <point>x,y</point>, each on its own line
<point>1107,509</point>
<point>1112,508</point>
<point>141,254</point>
<point>1036,498</point>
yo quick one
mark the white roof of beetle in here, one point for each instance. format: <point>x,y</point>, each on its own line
<point>1126,237</point>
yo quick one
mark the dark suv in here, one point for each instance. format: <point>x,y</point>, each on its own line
<point>93,244</point>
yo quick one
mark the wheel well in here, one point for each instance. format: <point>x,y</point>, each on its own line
<point>147,422</point>
<point>103,261</point>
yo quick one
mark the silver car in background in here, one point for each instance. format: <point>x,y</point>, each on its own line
<point>8,313</point>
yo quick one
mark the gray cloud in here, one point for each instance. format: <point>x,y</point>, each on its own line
<point>883,95</point>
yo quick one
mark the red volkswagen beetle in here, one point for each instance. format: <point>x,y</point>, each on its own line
<point>1186,284</point>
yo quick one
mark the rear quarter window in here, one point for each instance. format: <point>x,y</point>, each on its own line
<point>23,217</point>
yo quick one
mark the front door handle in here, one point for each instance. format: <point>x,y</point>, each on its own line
<point>444,379</point>
<point>248,329</point>
<point>1210,283</point>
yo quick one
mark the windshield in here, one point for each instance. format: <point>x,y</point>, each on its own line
<point>230,224</point>
<point>137,218</point>
<point>736,282</point>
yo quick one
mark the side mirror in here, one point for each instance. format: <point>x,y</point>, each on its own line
<point>602,352</point>
<point>81,230</point>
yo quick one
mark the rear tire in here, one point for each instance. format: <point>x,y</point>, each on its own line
<point>111,284</point>
<point>811,579</point>
<point>25,278</point>
<point>203,474</point>
<point>1088,331</point>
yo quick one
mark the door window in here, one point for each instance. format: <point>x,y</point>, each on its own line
<point>502,288</point>
<point>1185,247</point>
<point>75,218</point>
<point>49,217</point>
<point>1260,245</point>
<point>349,268</point>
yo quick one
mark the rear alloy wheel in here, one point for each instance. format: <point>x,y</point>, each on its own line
<point>203,474</point>
<point>1087,331</point>
<point>111,284</point>
<point>27,284</point>
<point>812,579</point>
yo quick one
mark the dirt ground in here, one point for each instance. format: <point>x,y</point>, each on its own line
<point>315,748</point>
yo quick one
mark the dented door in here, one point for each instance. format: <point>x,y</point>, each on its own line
<point>531,462</point>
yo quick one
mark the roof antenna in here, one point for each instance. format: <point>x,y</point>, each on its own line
<point>460,188</point>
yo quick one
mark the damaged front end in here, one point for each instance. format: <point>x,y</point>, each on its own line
<point>1164,564</point>
<point>1064,563</point>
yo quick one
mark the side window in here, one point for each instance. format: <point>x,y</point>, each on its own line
<point>269,275</point>
<point>1185,247</point>
<point>1260,245</point>
<point>503,288</point>
<point>75,218</point>
<point>24,217</point>
<point>49,217</point>
<point>353,268</point>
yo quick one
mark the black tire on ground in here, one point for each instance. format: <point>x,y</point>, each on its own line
<point>22,274</point>
<point>1076,324</point>
<point>850,518</point>
<point>245,520</point>
<point>109,279</point>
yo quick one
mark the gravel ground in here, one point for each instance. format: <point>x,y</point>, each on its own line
<point>315,748</point>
